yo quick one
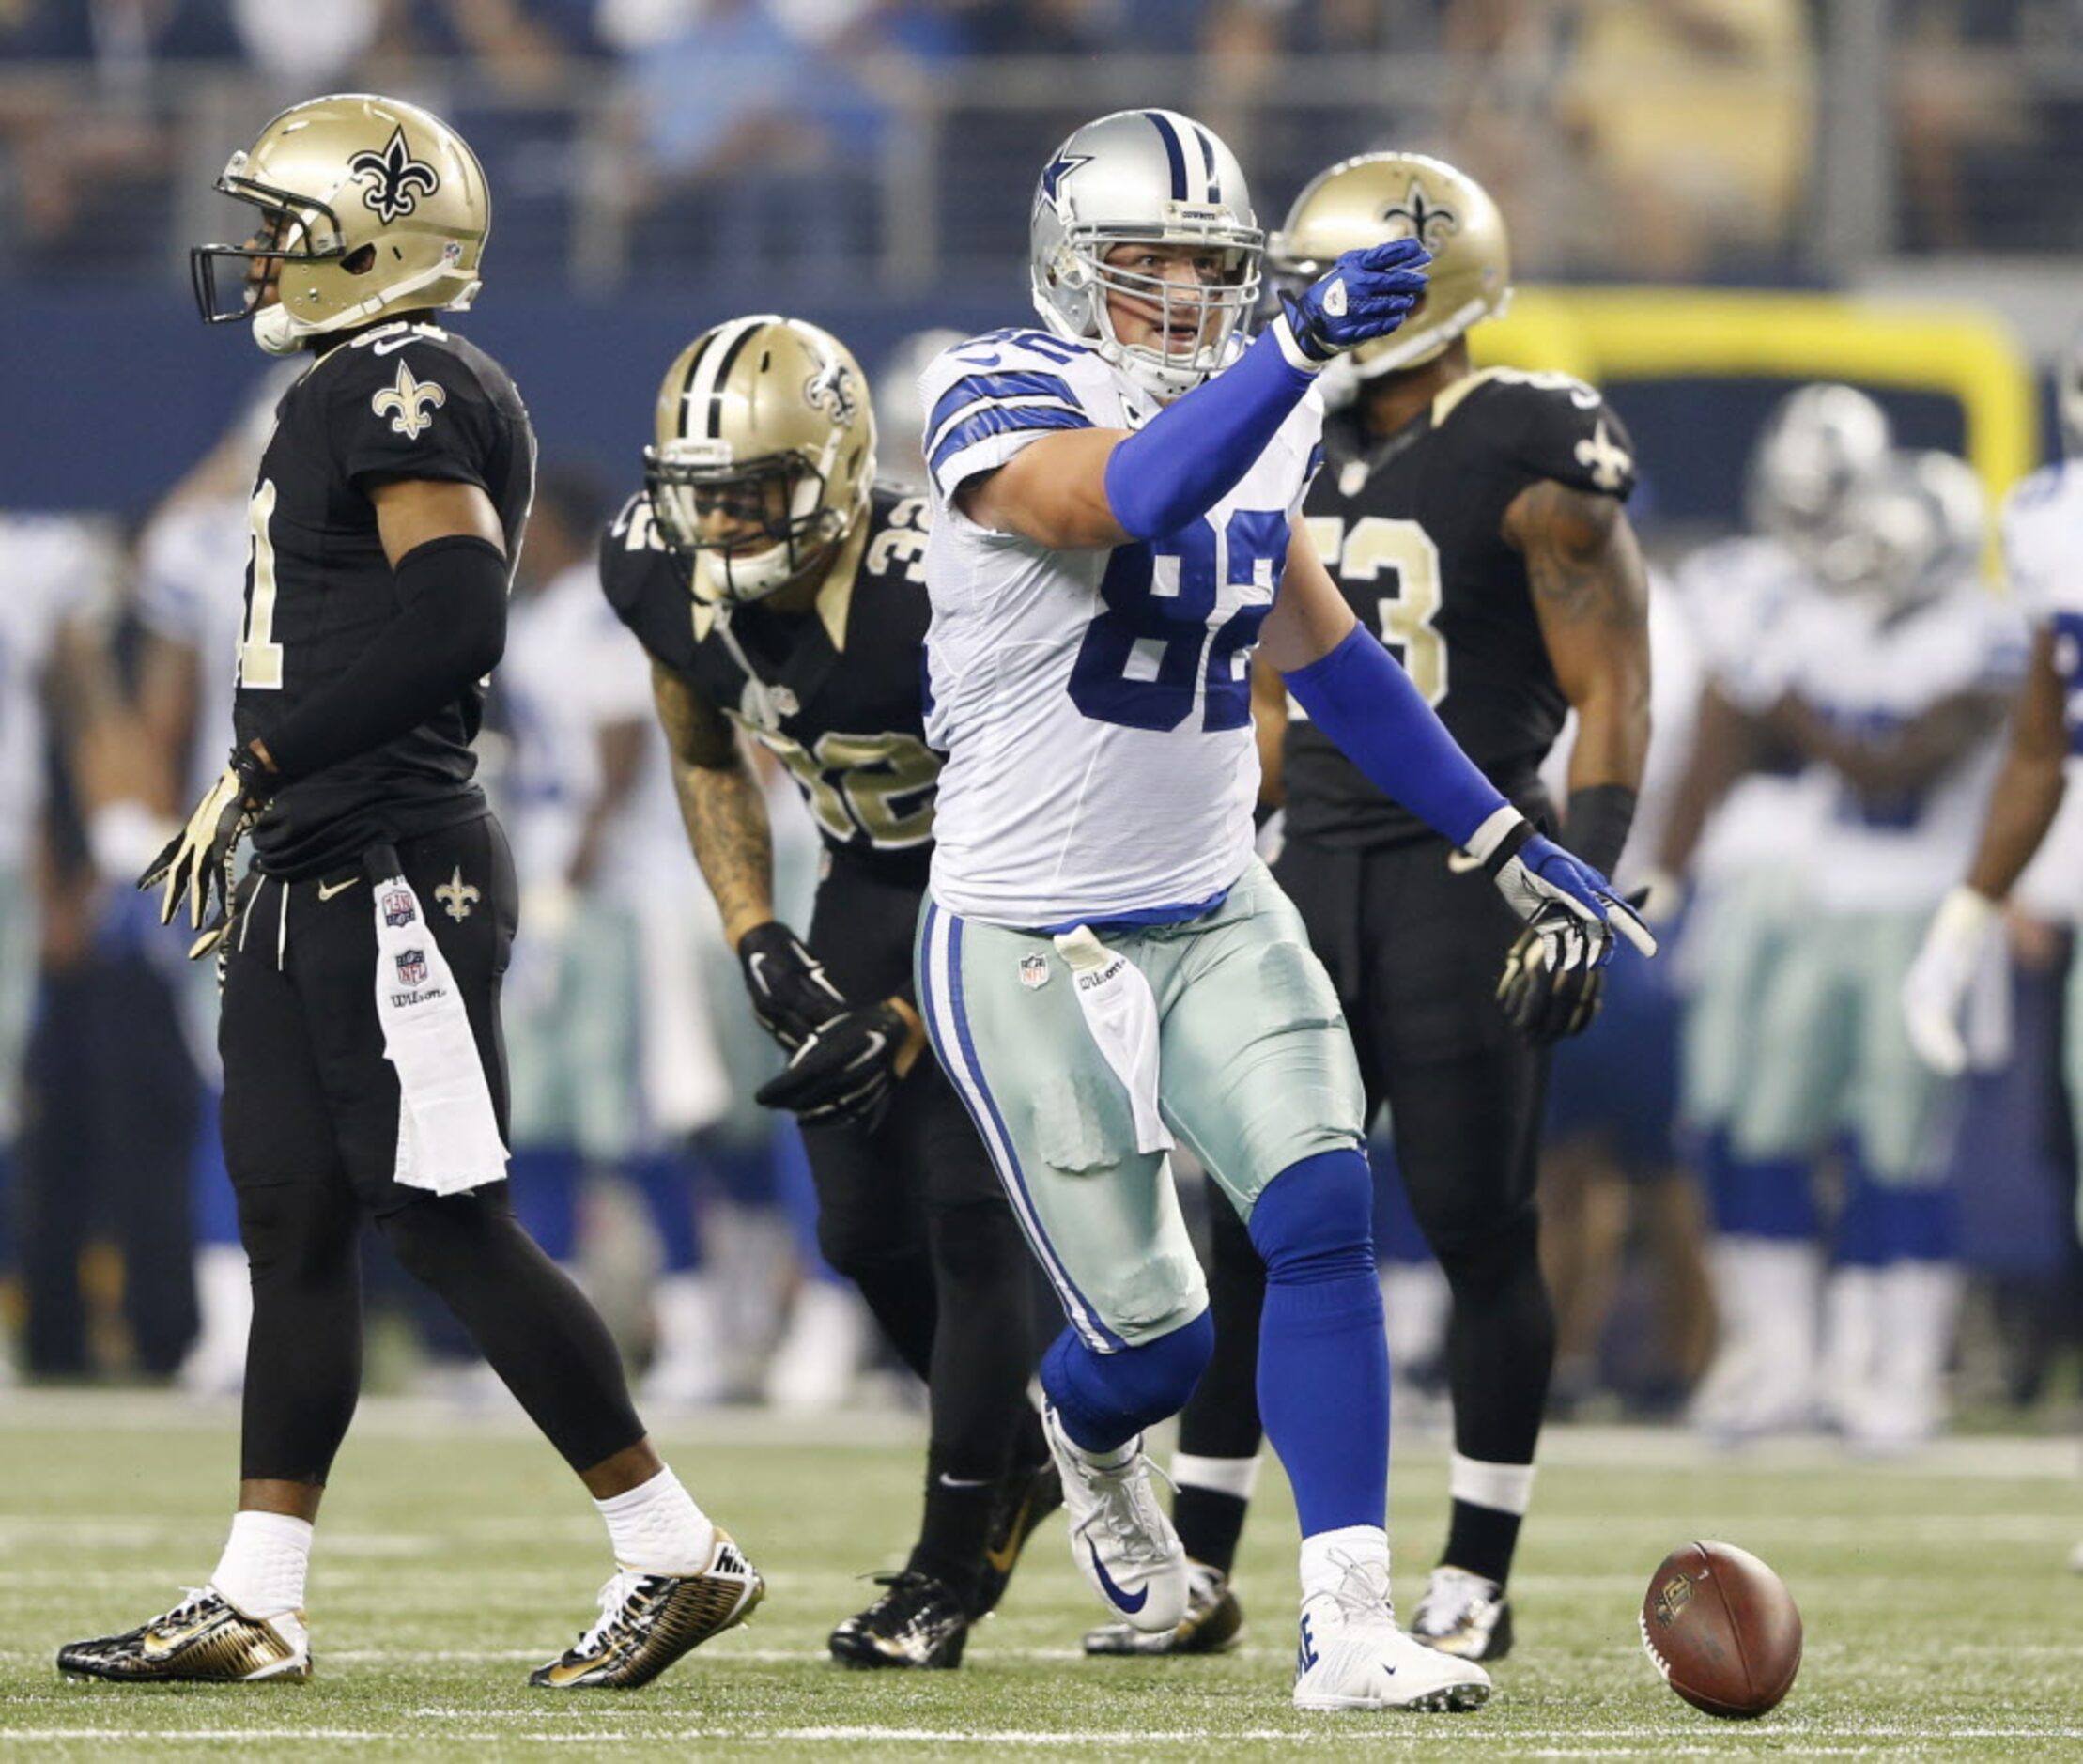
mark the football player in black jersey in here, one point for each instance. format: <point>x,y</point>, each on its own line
<point>1474,521</point>
<point>779,593</point>
<point>361,960</point>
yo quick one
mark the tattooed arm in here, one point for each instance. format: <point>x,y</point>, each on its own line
<point>721,801</point>
<point>1590,596</point>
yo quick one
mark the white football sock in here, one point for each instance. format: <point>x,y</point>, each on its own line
<point>1233,1477</point>
<point>656,1526</point>
<point>262,1570</point>
<point>1504,1488</point>
<point>1325,1555</point>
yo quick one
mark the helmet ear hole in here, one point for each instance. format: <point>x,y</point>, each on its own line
<point>358,262</point>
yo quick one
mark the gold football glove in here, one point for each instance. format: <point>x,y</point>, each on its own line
<point>196,863</point>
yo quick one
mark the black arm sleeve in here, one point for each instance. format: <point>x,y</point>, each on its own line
<point>450,631</point>
<point>1595,827</point>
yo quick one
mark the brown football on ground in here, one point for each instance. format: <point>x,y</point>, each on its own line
<point>1722,1629</point>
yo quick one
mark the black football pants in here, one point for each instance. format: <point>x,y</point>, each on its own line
<point>311,1123</point>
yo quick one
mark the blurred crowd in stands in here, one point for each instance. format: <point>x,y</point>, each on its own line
<point>1660,138</point>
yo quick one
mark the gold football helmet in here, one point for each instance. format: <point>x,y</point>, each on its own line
<point>1381,197</point>
<point>370,205</point>
<point>764,457</point>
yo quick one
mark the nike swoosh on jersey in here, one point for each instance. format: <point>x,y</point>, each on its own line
<point>328,889</point>
<point>391,347</point>
<point>1462,862</point>
<point>1121,1600</point>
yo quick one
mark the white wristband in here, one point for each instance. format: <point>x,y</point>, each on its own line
<point>1284,335</point>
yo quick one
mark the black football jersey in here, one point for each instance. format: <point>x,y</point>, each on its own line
<point>834,692</point>
<point>398,401</point>
<point>1411,527</point>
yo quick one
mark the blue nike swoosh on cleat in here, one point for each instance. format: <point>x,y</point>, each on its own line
<point>1121,1600</point>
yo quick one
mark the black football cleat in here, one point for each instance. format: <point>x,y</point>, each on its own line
<point>203,1640</point>
<point>1464,1615</point>
<point>918,1622</point>
<point>1024,1500</point>
<point>647,1621</point>
<point>1213,1624</point>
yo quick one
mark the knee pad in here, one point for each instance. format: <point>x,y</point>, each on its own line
<point>1315,1220</point>
<point>1104,1398</point>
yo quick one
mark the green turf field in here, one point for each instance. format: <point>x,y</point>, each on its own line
<point>1943,1621</point>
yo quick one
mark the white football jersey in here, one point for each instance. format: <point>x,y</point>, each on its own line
<point>1094,705</point>
<point>55,566</point>
<point>191,591</point>
<point>1739,598</point>
<point>2042,554</point>
<point>1870,668</point>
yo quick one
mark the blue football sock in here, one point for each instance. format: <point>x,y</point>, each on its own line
<point>1324,1361</point>
<point>1105,1400</point>
<point>544,1184</point>
<point>1765,1198</point>
<point>1883,1223</point>
<point>665,1181</point>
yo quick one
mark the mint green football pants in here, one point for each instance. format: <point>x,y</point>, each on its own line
<point>1256,1073</point>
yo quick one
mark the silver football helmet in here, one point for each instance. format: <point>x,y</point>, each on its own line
<point>1140,177</point>
<point>1819,447</point>
<point>1915,529</point>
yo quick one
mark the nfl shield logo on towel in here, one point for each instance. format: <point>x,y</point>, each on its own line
<point>412,966</point>
<point>398,908</point>
<point>1034,971</point>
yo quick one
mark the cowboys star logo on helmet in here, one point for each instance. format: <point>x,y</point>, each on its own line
<point>398,180</point>
<point>368,207</point>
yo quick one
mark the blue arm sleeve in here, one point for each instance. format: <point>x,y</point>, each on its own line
<point>1195,450</point>
<point>1359,697</point>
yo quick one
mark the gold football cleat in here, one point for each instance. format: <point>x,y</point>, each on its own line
<point>203,1640</point>
<point>647,1621</point>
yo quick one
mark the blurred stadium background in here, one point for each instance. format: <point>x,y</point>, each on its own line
<point>1711,201</point>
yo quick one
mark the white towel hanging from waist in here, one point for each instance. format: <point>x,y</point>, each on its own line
<point>1120,1012</point>
<point>448,1136</point>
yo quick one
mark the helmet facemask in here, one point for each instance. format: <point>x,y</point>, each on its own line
<point>1197,322</point>
<point>293,232</point>
<point>748,528</point>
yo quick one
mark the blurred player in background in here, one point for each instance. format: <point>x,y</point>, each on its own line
<point>1105,961</point>
<point>60,573</point>
<point>364,1076</point>
<point>1474,523</point>
<point>1748,825</point>
<point>777,589</point>
<point>1900,678</point>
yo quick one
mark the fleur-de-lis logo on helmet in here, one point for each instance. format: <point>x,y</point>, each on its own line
<point>831,391</point>
<point>1423,216</point>
<point>396,180</point>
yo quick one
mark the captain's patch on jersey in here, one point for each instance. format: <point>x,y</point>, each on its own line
<point>409,403</point>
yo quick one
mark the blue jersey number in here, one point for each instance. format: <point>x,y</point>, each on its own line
<point>1143,657</point>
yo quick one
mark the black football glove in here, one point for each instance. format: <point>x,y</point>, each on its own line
<point>790,995</point>
<point>843,1074</point>
<point>197,864</point>
<point>1551,989</point>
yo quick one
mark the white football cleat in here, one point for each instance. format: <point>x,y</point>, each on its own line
<point>1352,1655</point>
<point>1125,1546</point>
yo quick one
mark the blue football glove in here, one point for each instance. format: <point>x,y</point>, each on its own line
<point>1367,294</point>
<point>1564,901</point>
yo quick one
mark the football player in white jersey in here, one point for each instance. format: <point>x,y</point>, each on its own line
<point>1102,961</point>
<point>1748,820</point>
<point>1895,701</point>
<point>2041,524</point>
